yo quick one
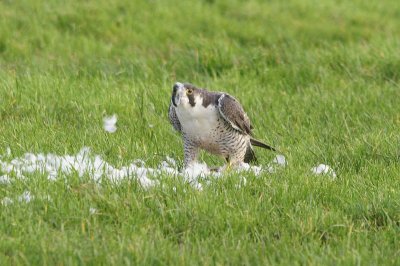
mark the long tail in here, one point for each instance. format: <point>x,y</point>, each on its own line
<point>262,145</point>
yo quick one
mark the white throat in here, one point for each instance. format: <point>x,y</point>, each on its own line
<point>197,120</point>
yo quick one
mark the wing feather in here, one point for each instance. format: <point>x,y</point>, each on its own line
<point>173,118</point>
<point>231,110</point>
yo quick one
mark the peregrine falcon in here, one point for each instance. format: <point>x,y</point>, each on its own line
<point>212,121</point>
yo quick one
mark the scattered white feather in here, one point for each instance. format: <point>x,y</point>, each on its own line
<point>5,179</point>
<point>145,182</point>
<point>324,169</point>
<point>197,186</point>
<point>6,201</point>
<point>170,161</point>
<point>26,197</point>
<point>85,163</point>
<point>92,210</point>
<point>256,170</point>
<point>278,162</point>
<point>194,172</point>
<point>109,123</point>
<point>243,167</point>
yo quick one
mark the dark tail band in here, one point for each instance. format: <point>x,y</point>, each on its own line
<point>261,145</point>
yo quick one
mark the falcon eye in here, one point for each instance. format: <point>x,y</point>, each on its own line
<point>189,91</point>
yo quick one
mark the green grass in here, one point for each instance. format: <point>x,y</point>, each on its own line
<point>319,79</point>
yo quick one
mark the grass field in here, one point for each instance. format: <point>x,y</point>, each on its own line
<point>319,79</point>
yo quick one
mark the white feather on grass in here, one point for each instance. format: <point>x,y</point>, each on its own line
<point>109,123</point>
<point>323,169</point>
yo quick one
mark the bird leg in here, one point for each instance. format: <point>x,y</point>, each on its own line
<point>228,166</point>
<point>190,151</point>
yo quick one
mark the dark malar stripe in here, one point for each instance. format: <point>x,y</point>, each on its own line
<point>191,100</point>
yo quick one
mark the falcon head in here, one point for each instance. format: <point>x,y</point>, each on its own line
<point>184,94</point>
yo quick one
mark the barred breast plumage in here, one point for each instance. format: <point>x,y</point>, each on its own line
<point>213,121</point>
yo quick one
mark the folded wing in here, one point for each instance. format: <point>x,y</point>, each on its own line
<point>231,110</point>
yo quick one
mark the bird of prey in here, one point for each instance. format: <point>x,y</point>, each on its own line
<point>212,121</point>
